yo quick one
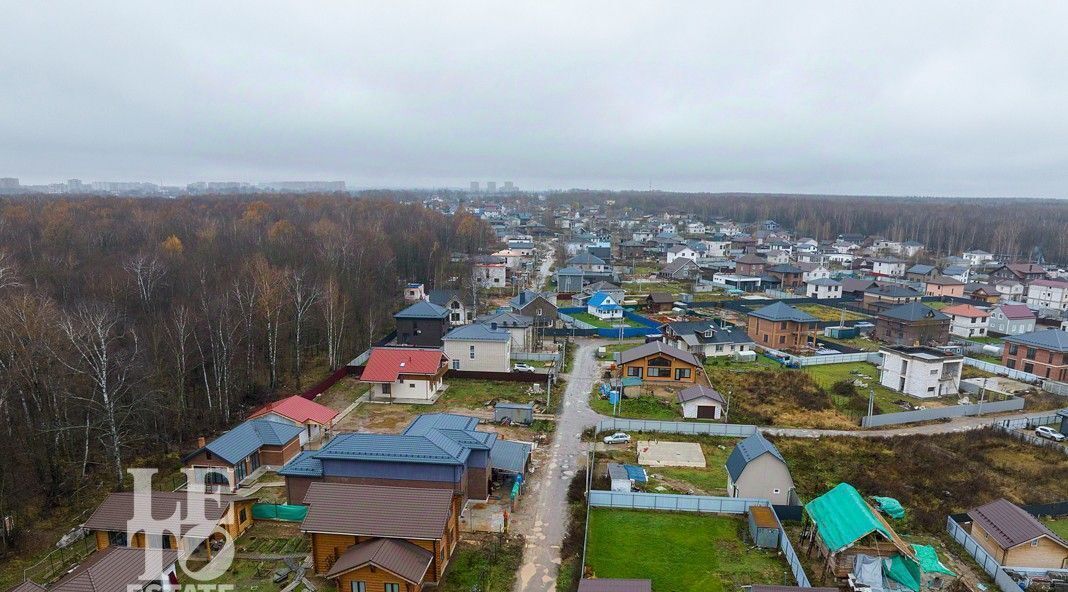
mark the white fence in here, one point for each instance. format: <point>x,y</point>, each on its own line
<point>870,357</point>
<point>535,356</point>
<point>1025,422</point>
<point>676,427</point>
<point>871,421</point>
<point>1057,388</point>
<point>989,565</point>
<point>704,504</point>
<point>1003,370</point>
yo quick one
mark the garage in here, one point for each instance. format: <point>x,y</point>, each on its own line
<point>701,402</point>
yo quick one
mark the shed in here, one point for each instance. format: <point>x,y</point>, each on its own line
<point>619,477</point>
<point>701,402</point>
<point>763,527</point>
<point>522,413</point>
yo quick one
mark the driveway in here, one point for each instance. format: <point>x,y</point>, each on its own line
<point>544,528</point>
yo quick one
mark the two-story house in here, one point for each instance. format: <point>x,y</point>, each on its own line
<point>1043,352</point>
<point>781,326</point>
<point>423,323</point>
<point>479,347</point>
<point>966,320</point>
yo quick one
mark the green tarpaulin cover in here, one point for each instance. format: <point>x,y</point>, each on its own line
<point>279,512</point>
<point>891,507</point>
<point>929,561</point>
<point>908,573</point>
<point>843,517</point>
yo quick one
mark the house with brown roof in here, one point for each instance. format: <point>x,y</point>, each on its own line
<point>1022,272</point>
<point>113,523</point>
<point>750,264</point>
<point>116,569</point>
<point>659,362</point>
<point>381,537</point>
<point>659,301</point>
<point>789,276</point>
<point>885,296</point>
<point>1015,538</point>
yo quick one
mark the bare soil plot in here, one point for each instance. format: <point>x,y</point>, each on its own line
<point>662,453</point>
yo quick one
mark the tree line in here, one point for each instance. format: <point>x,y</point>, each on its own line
<point>130,326</point>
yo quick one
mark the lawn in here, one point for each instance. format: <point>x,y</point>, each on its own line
<point>468,393</point>
<point>1059,526</point>
<point>854,342</point>
<point>589,319</point>
<point>645,287</point>
<point>640,407</point>
<point>987,340</point>
<point>678,552</point>
<point>490,566</point>
<point>343,393</point>
<point>827,375</point>
<point>610,350</point>
<point>829,313</point>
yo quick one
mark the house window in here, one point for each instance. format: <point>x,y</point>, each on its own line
<point>240,470</point>
<point>392,587</point>
<point>411,385</point>
<point>1030,353</point>
<point>782,339</point>
<point>255,460</point>
<point>357,586</point>
<point>207,454</point>
<point>471,352</point>
<point>116,539</point>
<point>681,373</point>
<point>659,372</point>
<point>242,516</point>
<point>456,364</point>
<point>387,389</point>
<point>634,371</point>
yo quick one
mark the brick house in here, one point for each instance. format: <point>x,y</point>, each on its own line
<point>912,324</point>
<point>781,326</point>
<point>1043,352</point>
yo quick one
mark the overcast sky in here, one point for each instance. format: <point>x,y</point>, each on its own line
<point>967,98</point>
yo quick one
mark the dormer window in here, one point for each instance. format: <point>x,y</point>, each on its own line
<point>709,333</point>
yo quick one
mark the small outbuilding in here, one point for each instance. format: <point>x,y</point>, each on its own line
<point>624,477</point>
<point>507,411</point>
<point>756,469</point>
<point>1015,538</point>
<point>763,527</point>
<point>701,402</point>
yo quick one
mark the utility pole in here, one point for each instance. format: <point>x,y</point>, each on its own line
<point>727,411</point>
<point>871,401</point>
<point>982,398</point>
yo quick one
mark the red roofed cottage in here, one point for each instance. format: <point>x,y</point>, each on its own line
<point>405,374</point>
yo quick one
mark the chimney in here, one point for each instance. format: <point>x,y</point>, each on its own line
<point>201,442</point>
<point>523,297</point>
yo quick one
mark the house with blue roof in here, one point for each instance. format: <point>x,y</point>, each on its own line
<point>244,453</point>
<point>603,306</point>
<point>479,348</point>
<point>756,469</point>
<point>437,450</point>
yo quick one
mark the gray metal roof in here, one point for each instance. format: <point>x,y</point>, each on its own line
<point>511,405</point>
<point>396,448</point>
<point>657,347</point>
<point>477,332</point>
<point>614,585</point>
<point>783,312</point>
<point>749,450</point>
<point>441,297</point>
<point>585,258</point>
<point>893,291</point>
<point>1051,339</point>
<point>440,421</point>
<point>700,392</point>
<point>570,271</point>
<point>506,319</point>
<point>423,310</point>
<point>250,436</point>
<point>823,282</point>
<point>616,471</point>
<point>914,311</point>
<point>509,456</point>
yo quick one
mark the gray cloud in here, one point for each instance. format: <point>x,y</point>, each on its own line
<point>848,97</point>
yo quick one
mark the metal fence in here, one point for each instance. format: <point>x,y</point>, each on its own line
<point>1002,370</point>
<point>1032,439</point>
<point>885,419</point>
<point>704,504</point>
<point>1028,422</point>
<point>734,430</point>
<point>1057,388</point>
<point>871,357</point>
<point>535,356</point>
<point>989,565</point>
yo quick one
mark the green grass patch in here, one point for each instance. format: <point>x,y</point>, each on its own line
<point>610,350</point>
<point>830,313</point>
<point>986,340</point>
<point>1059,527</point>
<point>854,342</point>
<point>640,407</point>
<point>489,567</point>
<point>469,393</point>
<point>589,319</point>
<point>678,552</point>
<point>644,288</point>
<point>827,375</point>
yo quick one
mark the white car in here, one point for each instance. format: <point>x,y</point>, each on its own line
<point>1048,432</point>
<point>617,438</point>
<point>523,368</point>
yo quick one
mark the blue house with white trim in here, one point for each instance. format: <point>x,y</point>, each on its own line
<point>603,306</point>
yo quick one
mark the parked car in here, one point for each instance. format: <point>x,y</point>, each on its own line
<point>1050,433</point>
<point>523,368</point>
<point>617,438</point>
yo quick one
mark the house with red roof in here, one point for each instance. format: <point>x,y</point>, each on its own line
<point>405,374</point>
<point>966,320</point>
<point>1012,319</point>
<point>314,418</point>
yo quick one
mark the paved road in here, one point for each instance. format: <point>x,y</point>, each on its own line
<point>957,424</point>
<point>541,558</point>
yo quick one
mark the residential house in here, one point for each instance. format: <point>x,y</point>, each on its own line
<point>489,272</point>
<point>479,348</point>
<point>888,266</point>
<point>781,326</point>
<point>756,469</point>
<point>517,325</point>
<point>813,271</point>
<point>513,259</point>
<point>540,306</point>
<point>681,251</point>
<point>588,262</point>
<point>701,402</point>
<point>422,324</point>
<point>414,292</point>
<point>314,419</point>
<point>943,285</point>
<point>659,301</point>
<point>789,276</point>
<point>116,569</point>
<point>681,269</point>
<point>1043,352</point>
<point>961,272</point>
<point>631,249</point>
<point>409,374</point>
<point>823,288</point>
<point>977,257</point>
<point>453,301</point>
<point>910,248</point>
<point>569,280</point>
<point>885,296</point>
<point>609,288</point>
<point>118,521</point>
<point>1022,272</point>
<point>244,453</point>
<point>750,264</point>
<point>966,320</point>
<point>856,287</point>
<point>923,372</point>
<point>921,273</point>
<point>1015,538</point>
<point>778,257</point>
<point>985,292</point>
<point>737,282</point>
<point>707,338</point>
<point>658,362</point>
<point>912,324</point>
<point>1010,290</point>
<point>378,537</point>
<point>604,307</point>
<point>1048,294</point>
<point>435,451</point>
<point>1012,319</point>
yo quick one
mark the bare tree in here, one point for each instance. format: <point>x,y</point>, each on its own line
<point>335,310</point>
<point>303,296</point>
<point>147,271</point>
<point>270,287</point>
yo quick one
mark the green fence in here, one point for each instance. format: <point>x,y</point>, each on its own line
<point>284,512</point>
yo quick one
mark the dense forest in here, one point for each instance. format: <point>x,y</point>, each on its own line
<point>130,326</point>
<point>945,225</point>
